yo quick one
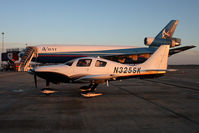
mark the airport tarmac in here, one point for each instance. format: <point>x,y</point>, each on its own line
<point>167,104</point>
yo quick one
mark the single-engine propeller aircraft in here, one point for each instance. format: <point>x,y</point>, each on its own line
<point>96,70</point>
<point>121,54</point>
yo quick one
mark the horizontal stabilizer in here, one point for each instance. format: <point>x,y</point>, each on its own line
<point>180,49</point>
<point>159,70</point>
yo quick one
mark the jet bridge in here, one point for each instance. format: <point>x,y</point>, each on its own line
<point>24,64</point>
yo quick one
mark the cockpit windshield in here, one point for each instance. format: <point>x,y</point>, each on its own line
<point>69,63</point>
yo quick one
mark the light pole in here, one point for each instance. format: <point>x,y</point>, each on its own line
<point>2,42</point>
<point>2,50</point>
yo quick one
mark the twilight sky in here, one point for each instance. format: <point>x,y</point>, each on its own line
<point>99,22</point>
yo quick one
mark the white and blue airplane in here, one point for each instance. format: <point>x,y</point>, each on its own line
<point>96,70</point>
<point>122,54</point>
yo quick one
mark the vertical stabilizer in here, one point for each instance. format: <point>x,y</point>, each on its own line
<point>164,37</point>
<point>158,61</point>
<point>168,30</point>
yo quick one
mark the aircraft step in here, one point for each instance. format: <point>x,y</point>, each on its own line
<point>26,58</point>
<point>91,94</point>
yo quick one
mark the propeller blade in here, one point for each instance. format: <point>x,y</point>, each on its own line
<point>35,79</point>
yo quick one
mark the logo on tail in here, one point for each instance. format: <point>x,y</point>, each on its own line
<point>165,34</point>
<point>164,37</point>
<point>168,30</point>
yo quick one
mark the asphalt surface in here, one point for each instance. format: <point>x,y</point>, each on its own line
<point>167,104</point>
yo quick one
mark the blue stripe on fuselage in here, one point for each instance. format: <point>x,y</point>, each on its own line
<point>66,56</point>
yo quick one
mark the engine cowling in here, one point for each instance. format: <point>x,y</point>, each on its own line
<point>173,42</point>
<point>148,40</point>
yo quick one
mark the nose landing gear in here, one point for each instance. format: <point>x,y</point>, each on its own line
<point>89,91</point>
<point>47,91</point>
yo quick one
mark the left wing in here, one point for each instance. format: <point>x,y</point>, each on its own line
<point>96,77</point>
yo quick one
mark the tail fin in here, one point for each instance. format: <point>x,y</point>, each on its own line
<point>164,37</point>
<point>158,61</point>
<point>168,30</point>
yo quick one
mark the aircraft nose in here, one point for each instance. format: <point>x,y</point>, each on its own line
<point>53,68</point>
<point>38,69</point>
<point>41,69</point>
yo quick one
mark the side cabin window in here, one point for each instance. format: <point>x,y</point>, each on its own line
<point>84,62</point>
<point>100,63</point>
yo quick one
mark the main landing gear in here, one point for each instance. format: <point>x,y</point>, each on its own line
<point>47,91</point>
<point>86,91</point>
<point>89,91</point>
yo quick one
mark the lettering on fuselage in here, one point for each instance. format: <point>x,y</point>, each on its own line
<point>126,70</point>
<point>48,49</point>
